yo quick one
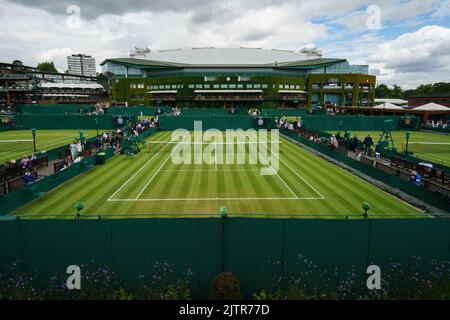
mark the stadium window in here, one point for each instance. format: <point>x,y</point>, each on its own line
<point>280,86</point>
<point>161,86</point>
<point>174,86</point>
<point>216,86</point>
<point>132,85</point>
<point>257,86</point>
<point>207,86</point>
<point>191,86</point>
<point>297,87</point>
<point>265,86</point>
<point>249,86</point>
<point>232,86</point>
<point>167,86</point>
<point>198,86</point>
<point>292,86</point>
<point>141,86</point>
<point>223,86</point>
<point>240,86</point>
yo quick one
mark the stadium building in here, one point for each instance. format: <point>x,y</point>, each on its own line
<point>238,77</point>
<point>24,84</point>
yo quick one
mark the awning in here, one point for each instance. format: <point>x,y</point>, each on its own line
<point>291,91</point>
<point>163,92</point>
<point>71,85</point>
<point>432,107</point>
<point>228,91</point>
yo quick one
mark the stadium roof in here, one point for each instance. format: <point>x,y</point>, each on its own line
<point>226,56</point>
<point>152,64</point>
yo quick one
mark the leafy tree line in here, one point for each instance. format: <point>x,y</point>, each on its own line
<point>396,92</point>
<point>47,66</point>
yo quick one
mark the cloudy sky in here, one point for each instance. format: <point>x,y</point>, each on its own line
<point>404,41</point>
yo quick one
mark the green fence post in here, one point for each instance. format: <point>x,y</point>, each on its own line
<point>223,215</point>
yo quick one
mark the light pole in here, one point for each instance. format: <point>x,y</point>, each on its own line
<point>96,124</point>
<point>33,133</point>
<point>408,135</point>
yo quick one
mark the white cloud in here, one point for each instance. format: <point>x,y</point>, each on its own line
<point>420,56</point>
<point>56,55</point>
<point>36,31</point>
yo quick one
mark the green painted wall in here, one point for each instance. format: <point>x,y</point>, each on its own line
<point>121,90</point>
<point>257,251</point>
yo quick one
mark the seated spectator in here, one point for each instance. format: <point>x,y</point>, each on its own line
<point>416,179</point>
<point>33,156</point>
<point>28,177</point>
<point>333,142</point>
<point>25,162</point>
<point>354,143</point>
<point>368,143</point>
<point>358,155</point>
<point>67,162</point>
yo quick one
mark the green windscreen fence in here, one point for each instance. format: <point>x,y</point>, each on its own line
<point>63,122</point>
<point>287,112</point>
<point>205,112</point>
<point>257,251</point>
<point>356,123</point>
<point>137,111</point>
<point>45,109</point>
<point>432,198</point>
<point>14,200</point>
<point>208,122</point>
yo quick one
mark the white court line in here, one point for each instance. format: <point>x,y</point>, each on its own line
<point>148,183</point>
<point>11,141</point>
<point>303,179</point>
<point>282,180</point>
<point>209,199</point>
<point>136,173</point>
<point>210,170</point>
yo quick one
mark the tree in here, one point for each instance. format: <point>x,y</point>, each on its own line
<point>47,66</point>
<point>397,92</point>
<point>441,87</point>
<point>382,91</point>
<point>424,89</point>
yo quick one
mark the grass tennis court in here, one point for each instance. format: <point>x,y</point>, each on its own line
<point>15,144</point>
<point>439,152</point>
<point>150,183</point>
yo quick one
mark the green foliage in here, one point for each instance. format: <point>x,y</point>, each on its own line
<point>160,282</point>
<point>98,282</point>
<point>383,91</point>
<point>47,66</point>
<point>423,279</point>
<point>225,286</point>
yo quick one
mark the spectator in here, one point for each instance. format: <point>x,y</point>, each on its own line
<point>368,143</point>
<point>416,178</point>
<point>354,143</point>
<point>79,147</point>
<point>25,162</point>
<point>28,177</point>
<point>333,142</point>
